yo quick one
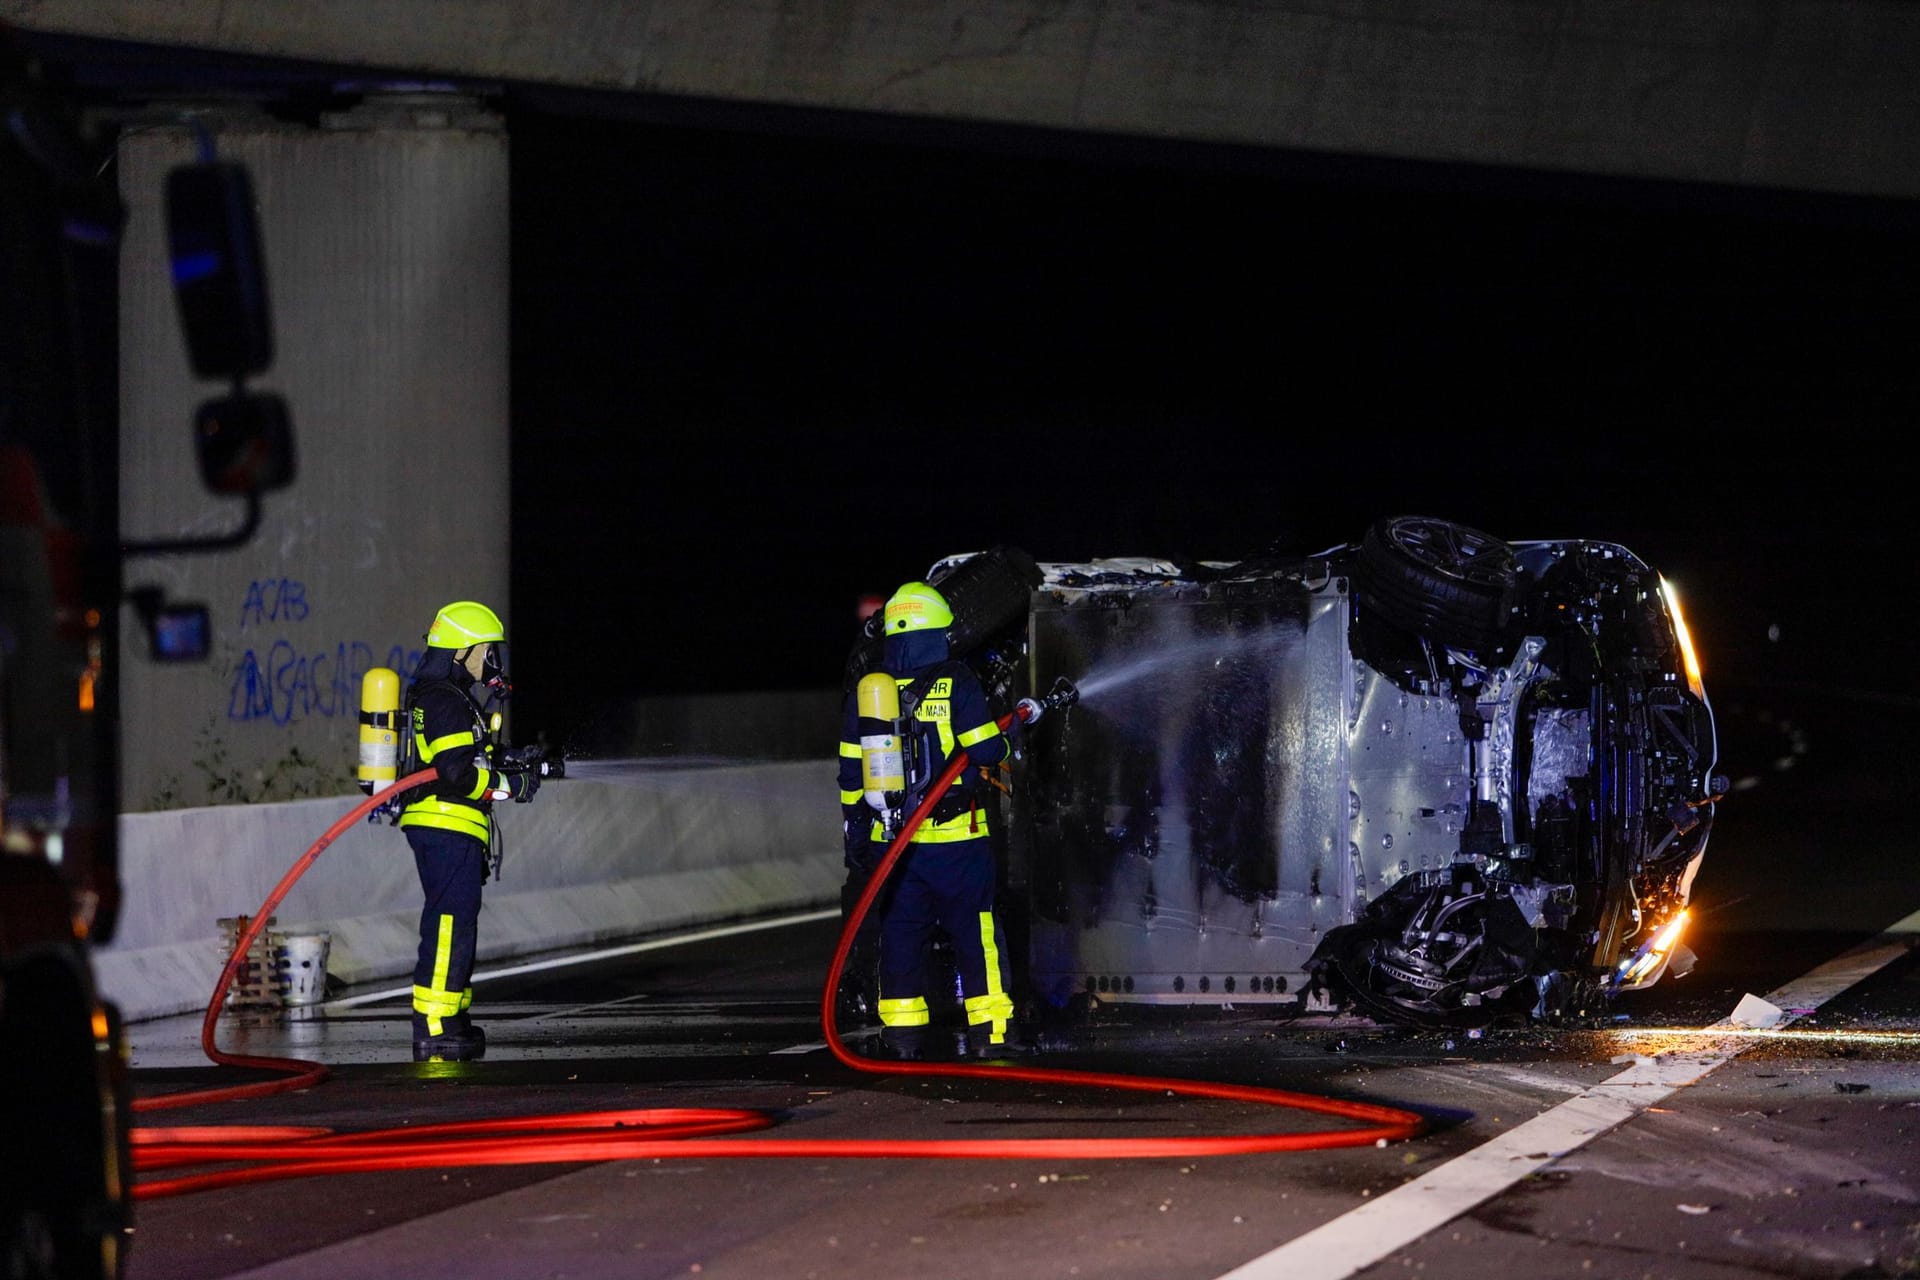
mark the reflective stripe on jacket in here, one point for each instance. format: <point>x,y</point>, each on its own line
<point>450,734</point>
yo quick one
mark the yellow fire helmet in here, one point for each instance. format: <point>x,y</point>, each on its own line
<point>916,607</point>
<point>464,623</point>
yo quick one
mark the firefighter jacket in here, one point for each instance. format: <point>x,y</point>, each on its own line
<point>949,714</point>
<point>450,733</point>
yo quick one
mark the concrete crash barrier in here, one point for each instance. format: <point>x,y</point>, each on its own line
<point>616,850</point>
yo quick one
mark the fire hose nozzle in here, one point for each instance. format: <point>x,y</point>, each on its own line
<point>533,759</point>
<point>1063,695</point>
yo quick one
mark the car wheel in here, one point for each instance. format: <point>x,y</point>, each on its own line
<point>1453,584</point>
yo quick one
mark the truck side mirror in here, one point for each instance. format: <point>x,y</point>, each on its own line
<point>218,277</point>
<point>244,443</point>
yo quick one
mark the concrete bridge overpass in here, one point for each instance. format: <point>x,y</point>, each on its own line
<point>1795,94</point>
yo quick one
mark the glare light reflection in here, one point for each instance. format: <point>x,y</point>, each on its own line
<point>1682,634</point>
<point>1649,956</point>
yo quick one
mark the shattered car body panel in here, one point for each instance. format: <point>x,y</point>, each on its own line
<point>1432,776</point>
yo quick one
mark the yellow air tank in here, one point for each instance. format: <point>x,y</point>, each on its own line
<point>883,764</point>
<point>379,730</point>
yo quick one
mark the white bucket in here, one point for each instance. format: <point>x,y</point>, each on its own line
<point>306,966</point>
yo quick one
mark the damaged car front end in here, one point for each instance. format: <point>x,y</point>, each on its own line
<point>1431,776</point>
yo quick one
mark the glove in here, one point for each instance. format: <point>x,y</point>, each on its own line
<point>523,786</point>
<point>856,831</point>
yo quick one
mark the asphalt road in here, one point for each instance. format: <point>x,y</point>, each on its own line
<point>1795,1155</point>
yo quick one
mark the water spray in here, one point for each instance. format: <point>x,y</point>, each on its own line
<point>1190,653</point>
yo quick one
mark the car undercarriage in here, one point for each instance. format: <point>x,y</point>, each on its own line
<point>1430,776</point>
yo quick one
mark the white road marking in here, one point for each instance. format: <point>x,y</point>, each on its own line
<point>588,1008</point>
<point>819,1045</point>
<point>607,953</point>
<point>1359,1239</point>
<point>1532,1079</point>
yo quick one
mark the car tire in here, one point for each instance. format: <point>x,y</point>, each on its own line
<point>1446,581</point>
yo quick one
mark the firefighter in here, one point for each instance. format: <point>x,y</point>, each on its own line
<point>946,878</point>
<point>452,715</point>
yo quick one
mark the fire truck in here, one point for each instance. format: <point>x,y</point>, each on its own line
<point>65,1182</point>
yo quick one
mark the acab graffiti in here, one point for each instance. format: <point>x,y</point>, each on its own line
<point>274,600</point>
<point>287,682</point>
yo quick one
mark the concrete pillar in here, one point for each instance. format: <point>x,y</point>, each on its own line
<point>385,235</point>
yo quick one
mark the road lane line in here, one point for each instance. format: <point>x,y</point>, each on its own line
<point>819,1046</point>
<point>1364,1236</point>
<point>585,1008</point>
<point>1533,1079</point>
<point>607,953</point>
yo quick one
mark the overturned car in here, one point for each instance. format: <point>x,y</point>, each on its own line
<point>1431,775</point>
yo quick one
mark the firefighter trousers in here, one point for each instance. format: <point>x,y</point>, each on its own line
<point>451,866</point>
<point>951,886</point>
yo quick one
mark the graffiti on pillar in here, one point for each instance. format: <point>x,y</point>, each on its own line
<point>279,676</point>
<point>274,600</point>
<point>286,684</point>
<point>280,682</point>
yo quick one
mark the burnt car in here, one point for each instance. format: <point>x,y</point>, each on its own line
<point>1430,776</point>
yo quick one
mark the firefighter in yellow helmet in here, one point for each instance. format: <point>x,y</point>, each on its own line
<point>946,878</point>
<point>452,714</point>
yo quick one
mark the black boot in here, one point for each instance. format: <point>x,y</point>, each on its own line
<point>980,1044</point>
<point>461,1043</point>
<point>909,1044</point>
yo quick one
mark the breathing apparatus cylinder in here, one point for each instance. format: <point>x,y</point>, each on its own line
<point>883,765</point>
<point>379,730</point>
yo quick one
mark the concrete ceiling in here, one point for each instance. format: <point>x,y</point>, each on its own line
<point>1807,95</point>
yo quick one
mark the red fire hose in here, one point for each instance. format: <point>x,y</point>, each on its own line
<point>678,1132</point>
<point>303,1073</point>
